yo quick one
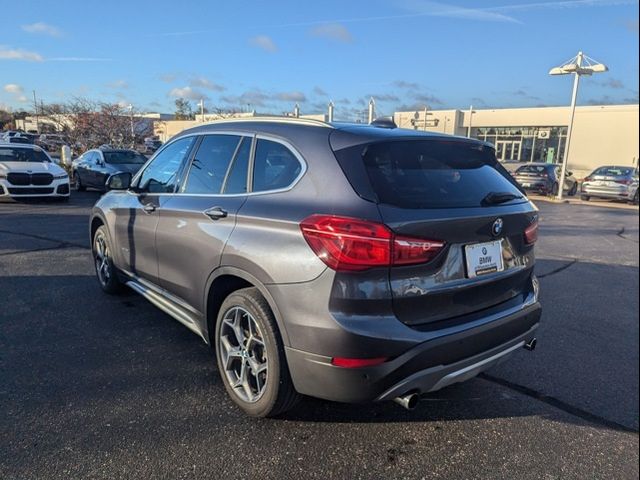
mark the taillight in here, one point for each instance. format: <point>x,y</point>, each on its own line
<point>531,233</point>
<point>586,179</point>
<point>357,362</point>
<point>624,182</point>
<point>351,244</point>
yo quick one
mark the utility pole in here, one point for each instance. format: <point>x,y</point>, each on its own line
<point>131,118</point>
<point>372,110</point>
<point>470,117</point>
<point>202,109</point>
<point>35,109</point>
<point>330,116</point>
<point>425,118</point>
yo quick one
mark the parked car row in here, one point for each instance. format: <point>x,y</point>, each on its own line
<point>608,182</point>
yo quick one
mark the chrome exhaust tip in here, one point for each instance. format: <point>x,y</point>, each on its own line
<point>531,346</point>
<point>408,401</point>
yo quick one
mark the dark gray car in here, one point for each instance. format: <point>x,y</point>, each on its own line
<point>544,178</point>
<point>94,167</point>
<point>347,262</point>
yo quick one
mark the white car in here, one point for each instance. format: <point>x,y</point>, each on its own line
<point>26,171</point>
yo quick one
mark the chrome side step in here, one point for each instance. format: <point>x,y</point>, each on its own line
<point>170,308</point>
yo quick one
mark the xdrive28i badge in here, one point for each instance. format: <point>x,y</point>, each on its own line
<point>496,228</point>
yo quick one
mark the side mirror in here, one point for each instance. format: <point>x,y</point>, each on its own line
<point>569,173</point>
<point>119,181</point>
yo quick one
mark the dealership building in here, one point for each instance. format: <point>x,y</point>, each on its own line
<point>602,135</point>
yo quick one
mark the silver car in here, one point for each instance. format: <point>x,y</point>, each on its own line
<point>612,182</point>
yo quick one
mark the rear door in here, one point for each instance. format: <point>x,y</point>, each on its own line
<point>453,192</point>
<point>196,222</point>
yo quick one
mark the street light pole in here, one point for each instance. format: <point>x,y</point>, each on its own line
<point>578,65</point>
<point>565,160</point>
<point>131,118</point>
<point>470,117</point>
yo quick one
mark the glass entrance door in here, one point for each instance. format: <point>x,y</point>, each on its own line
<point>508,150</point>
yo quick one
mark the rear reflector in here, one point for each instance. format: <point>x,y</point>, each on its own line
<point>351,244</point>
<point>531,233</point>
<point>357,362</point>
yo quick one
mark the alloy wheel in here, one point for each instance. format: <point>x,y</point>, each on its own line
<point>241,346</point>
<point>102,259</point>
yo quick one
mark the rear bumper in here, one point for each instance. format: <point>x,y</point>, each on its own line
<point>615,193</point>
<point>428,366</point>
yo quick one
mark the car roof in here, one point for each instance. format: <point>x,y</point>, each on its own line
<point>288,126</point>
<point>21,145</point>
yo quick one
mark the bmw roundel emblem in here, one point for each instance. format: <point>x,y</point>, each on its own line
<point>496,228</point>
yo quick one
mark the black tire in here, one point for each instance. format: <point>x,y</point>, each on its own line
<point>573,190</point>
<point>554,190</point>
<point>106,272</point>
<point>635,199</point>
<point>278,394</point>
<point>77,184</point>
<point>585,198</point>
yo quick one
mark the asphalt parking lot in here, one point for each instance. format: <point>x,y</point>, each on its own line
<point>109,387</point>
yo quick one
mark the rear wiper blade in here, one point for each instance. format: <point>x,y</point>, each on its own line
<point>495,198</point>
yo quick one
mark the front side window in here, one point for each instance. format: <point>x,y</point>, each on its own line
<point>275,166</point>
<point>161,175</point>
<point>210,164</point>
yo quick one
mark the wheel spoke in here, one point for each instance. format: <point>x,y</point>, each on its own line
<point>230,352</point>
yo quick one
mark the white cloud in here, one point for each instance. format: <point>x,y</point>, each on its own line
<point>291,97</point>
<point>42,28</point>
<point>188,93</point>
<point>13,88</point>
<point>333,31</point>
<point>264,42</point>
<point>79,59</point>
<point>7,53</point>
<point>203,82</point>
<point>118,84</point>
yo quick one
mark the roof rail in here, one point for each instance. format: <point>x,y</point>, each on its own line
<point>274,118</point>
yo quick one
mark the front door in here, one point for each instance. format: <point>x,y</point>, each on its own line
<point>137,219</point>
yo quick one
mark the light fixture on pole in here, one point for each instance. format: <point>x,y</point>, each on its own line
<point>578,66</point>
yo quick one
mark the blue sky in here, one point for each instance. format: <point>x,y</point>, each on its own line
<point>270,55</point>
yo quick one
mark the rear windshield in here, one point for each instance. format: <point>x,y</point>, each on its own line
<point>532,169</point>
<point>434,173</point>
<point>613,171</point>
<point>124,157</point>
<point>8,154</point>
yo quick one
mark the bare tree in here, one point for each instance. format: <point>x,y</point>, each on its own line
<point>89,124</point>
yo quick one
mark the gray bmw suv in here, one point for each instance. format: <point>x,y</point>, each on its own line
<point>352,263</point>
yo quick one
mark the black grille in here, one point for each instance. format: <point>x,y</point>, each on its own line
<point>30,191</point>
<point>19,178</point>
<point>30,179</point>
<point>41,178</point>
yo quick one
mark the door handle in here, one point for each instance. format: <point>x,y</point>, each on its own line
<point>215,213</point>
<point>149,208</point>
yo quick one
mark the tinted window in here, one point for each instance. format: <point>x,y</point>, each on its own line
<point>532,169</point>
<point>124,157</point>
<point>275,166</point>
<point>161,175</point>
<point>210,164</point>
<point>8,154</point>
<point>237,179</point>
<point>613,171</point>
<point>432,174</point>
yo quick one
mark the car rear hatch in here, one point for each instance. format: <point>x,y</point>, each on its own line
<point>452,192</point>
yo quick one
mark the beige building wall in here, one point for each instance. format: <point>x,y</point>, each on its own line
<point>606,134</point>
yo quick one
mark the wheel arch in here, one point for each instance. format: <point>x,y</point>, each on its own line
<point>221,283</point>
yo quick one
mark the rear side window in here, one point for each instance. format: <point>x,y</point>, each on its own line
<point>432,173</point>
<point>275,166</point>
<point>210,164</point>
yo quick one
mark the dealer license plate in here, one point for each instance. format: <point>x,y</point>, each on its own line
<point>484,258</point>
